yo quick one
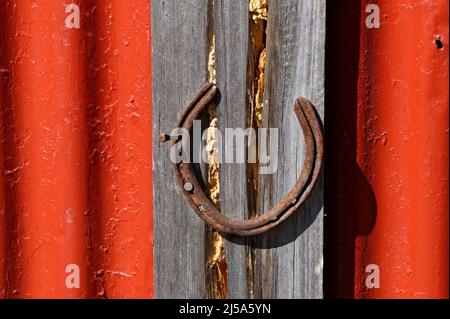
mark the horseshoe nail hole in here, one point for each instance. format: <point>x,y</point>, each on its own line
<point>439,43</point>
<point>200,208</point>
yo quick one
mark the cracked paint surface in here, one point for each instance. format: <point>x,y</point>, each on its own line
<point>75,149</point>
<point>388,151</point>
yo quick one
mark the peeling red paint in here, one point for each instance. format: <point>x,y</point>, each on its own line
<point>75,149</point>
<point>388,203</point>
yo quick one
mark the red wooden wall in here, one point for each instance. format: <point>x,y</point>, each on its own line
<point>76,163</point>
<point>387,130</point>
<point>75,151</point>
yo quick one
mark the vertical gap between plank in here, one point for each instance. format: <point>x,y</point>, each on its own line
<point>258,11</point>
<point>216,264</point>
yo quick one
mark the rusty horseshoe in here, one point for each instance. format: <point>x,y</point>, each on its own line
<point>199,201</point>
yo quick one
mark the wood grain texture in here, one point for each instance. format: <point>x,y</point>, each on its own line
<point>288,262</point>
<point>180,48</point>
<point>231,34</point>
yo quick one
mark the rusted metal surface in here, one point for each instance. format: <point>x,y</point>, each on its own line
<point>192,191</point>
<point>75,149</point>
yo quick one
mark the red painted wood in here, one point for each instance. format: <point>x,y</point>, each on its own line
<point>75,149</point>
<point>388,198</point>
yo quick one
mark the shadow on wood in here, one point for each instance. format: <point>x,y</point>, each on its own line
<point>292,228</point>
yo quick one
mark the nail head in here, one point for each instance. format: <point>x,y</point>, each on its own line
<point>188,187</point>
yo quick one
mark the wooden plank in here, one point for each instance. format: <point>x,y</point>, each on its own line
<point>180,49</point>
<point>289,260</point>
<point>231,39</point>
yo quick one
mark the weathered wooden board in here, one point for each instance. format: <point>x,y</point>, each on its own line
<point>289,260</point>
<point>231,47</point>
<point>287,263</point>
<point>180,52</point>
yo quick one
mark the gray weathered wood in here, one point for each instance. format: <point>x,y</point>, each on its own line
<point>231,33</point>
<point>180,48</point>
<point>289,260</point>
